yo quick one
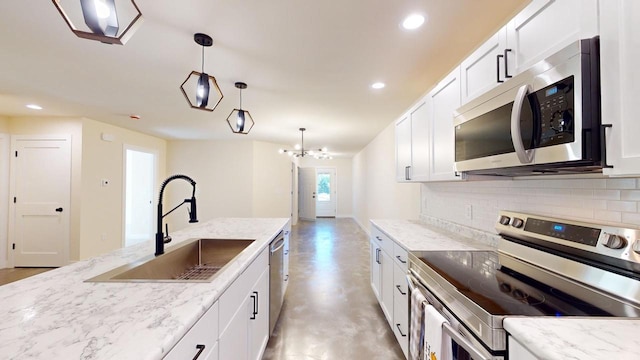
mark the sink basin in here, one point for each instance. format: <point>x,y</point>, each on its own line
<point>195,260</point>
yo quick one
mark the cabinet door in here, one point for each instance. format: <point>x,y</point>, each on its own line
<point>419,170</point>
<point>444,99</point>
<point>234,341</point>
<point>386,285</point>
<point>484,69</point>
<point>620,49</point>
<point>403,148</point>
<point>401,308</point>
<point>545,27</point>
<point>376,273</point>
<point>259,322</point>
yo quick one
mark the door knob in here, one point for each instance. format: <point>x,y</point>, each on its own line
<point>59,210</point>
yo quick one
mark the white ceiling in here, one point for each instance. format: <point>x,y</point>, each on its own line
<point>308,63</point>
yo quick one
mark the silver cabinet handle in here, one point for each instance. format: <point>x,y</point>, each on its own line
<point>200,348</point>
<point>400,259</point>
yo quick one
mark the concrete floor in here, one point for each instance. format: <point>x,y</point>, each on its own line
<point>330,311</point>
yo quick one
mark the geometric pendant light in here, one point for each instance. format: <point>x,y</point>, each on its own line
<point>200,89</point>
<point>102,19</point>
<point>240,121</point>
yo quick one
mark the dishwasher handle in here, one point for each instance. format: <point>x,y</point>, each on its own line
<point>276,245</point>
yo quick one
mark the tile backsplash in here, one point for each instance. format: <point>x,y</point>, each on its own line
<point>607,201</point>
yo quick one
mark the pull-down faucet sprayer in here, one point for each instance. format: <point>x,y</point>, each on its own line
<point>161,238</point>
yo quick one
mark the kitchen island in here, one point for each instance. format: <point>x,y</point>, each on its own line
<point>56,315</point>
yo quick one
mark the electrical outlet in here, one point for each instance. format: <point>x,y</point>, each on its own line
<point>468,212</point>
<point>103,236</point>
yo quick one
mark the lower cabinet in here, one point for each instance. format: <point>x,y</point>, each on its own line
<point>201,341</point>
<point>244,326</point>
<point>388,281</point>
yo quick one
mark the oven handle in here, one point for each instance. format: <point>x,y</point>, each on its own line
<point>525,156</point>
<point>412,279</point>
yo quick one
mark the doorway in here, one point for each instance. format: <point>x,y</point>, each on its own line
<point>139,180</point>
<point>327,192</point>
<point>40,188</point>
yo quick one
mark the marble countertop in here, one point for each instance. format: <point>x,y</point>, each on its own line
<point>56,315</point>
<point>548,338</point>
<point>577,338</point>
<point>413,235</point>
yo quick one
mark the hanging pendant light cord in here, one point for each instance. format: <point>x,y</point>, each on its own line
<point>203,59</point>
<point>240,99</point>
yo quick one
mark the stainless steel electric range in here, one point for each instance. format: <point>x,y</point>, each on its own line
<point>543,267</point>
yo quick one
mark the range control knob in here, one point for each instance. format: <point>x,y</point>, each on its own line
<point>504,220</point>
<point>614,241</point>
<point>517,223</point>
<point>636,246</point>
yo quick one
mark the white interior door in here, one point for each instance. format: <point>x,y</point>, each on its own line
<point>41,191</point>
<point>140,179</point>
<point>326,192</point>
<point>307,197</point>
<point>4,198</point>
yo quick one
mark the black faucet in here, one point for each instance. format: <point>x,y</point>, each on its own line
<point>161,239</point>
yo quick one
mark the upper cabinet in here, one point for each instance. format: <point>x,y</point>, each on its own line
<point>541,29</point>
<point>442,101</point>
<point>412,144</point>
<point>620,49</point>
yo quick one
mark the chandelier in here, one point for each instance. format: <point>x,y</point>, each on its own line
<point>300,151</point>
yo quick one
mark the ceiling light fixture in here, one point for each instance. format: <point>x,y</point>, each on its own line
<point>240,121</point>
<point>378,85</point>
<point>413,21</point>
<point>204,83</point>
<point>301,152</point>
<point>34,107</point>
<point>101,18</point>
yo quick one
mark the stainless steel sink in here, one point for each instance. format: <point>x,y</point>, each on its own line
<point>196,260</point>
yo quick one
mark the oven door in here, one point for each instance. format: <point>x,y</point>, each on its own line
<point>463,344</point>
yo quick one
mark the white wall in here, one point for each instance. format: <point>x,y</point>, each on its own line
<point>4,195</point>
<point>344,174</point>
<point>102,221</point>
<point>271,181</point>
<point>376,194</point>
<point>234,179</point>
<point>610,201</point>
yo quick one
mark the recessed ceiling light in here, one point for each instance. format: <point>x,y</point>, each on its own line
<point>34,107</point>
<point>378,85</point>
<point>413,21</point>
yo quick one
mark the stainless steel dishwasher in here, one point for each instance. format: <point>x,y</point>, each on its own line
<point>276,279</point>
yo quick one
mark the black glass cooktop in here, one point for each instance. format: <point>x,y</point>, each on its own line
<point>479,276</point>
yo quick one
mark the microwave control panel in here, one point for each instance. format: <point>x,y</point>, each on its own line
<point>554,106</point>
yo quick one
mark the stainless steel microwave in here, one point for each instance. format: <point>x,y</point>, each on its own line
<point>545,120</point>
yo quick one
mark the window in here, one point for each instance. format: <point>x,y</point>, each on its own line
<point>324,187</point>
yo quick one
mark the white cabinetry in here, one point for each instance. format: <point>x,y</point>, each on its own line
<point>442,101</point>
<point>244,327</point>
<point>484,68</point>
<point>620,49</point>
<point>538,31</point>
<point>517,351</point>
<point>412,150</point>
<point>201,341</point>
<point>389,266</point>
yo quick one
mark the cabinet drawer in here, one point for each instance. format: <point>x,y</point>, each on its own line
<point>378,237</point>
<point>229,301</point>
<point>202,338</point>
<point>400,256</point>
